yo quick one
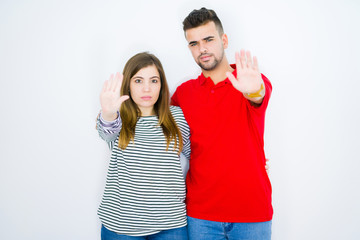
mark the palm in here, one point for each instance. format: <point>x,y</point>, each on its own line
<point>110,99</point>
<point>248,78</point>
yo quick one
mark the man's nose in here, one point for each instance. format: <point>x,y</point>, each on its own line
<point>203,48</point>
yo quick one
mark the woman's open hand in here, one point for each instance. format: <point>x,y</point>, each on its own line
<point>110,98</point>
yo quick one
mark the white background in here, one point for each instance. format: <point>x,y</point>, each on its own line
<point>55,55</point>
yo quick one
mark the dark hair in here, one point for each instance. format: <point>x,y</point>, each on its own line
<point>129,111</point>
<point>200,17</point>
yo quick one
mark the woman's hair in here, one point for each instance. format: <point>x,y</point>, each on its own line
<point>200,17</point>
<point>129,111</point>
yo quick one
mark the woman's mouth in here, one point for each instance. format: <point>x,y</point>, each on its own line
<point>146,98</point>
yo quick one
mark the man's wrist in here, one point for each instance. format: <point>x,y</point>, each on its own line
<point>259,94</point>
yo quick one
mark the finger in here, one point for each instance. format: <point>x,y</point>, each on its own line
<point>105,86</point>
<point>256,64</point>
<point>117,83</point>
<point>110,81</point>
<point>123,98</point>
<point>232,78</point>
<point>248,59</point>
<point>242,58</point>
<point>114,82</point>
<point>121,78</point>
<point>237,61</point>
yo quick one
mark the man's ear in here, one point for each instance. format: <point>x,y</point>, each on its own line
<point>224,39</point>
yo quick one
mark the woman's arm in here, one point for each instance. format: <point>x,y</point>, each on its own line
<point>108,122</point>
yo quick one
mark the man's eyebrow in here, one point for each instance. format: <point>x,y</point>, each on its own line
<point>209,37</point>
<point>192,42</point>
<point>206,38</point>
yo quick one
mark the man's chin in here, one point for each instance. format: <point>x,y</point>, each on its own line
<point>207,66</point>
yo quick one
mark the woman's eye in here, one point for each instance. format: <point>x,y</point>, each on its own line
<point>154,80</point>
<point>137,80</point>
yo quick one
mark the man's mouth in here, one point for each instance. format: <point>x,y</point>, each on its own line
<point>205,57</point>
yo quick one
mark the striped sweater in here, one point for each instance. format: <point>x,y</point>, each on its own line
<point>145,188</point>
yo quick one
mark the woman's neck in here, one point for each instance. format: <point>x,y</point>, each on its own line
<point>145,112</point>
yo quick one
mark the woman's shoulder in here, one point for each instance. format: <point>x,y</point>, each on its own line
<point>176,111</point>
<point>177,114</point>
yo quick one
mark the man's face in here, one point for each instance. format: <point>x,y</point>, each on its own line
<point>206,45</point>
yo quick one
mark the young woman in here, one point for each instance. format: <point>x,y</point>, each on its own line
<point>144,196</point>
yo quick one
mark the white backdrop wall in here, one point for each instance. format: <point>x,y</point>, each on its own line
<point>55,55</point>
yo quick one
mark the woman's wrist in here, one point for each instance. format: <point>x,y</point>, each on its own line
<point>109,117</point>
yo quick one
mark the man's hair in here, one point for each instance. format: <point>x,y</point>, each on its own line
<point>200,17</point>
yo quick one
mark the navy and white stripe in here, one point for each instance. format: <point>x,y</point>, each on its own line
<point>145,188</point>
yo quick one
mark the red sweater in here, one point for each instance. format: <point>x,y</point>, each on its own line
<point>227,180</point>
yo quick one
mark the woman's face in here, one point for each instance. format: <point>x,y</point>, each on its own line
<point>145,89</point>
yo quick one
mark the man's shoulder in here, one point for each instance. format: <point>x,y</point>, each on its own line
<point>188,84</point>
<point>183,91</point>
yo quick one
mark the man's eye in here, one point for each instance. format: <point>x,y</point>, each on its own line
<point>209,39</point>
<point>192,44</point>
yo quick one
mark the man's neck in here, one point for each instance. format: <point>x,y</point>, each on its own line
<point>219,73</point>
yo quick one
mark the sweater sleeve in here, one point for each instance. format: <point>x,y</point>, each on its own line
<point>184,129</point>
<point>108,131</point>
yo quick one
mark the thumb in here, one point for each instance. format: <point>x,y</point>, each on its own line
<point>122,99</point>
<point>232,78</point>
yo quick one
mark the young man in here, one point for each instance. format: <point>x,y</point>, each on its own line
<point>228,189</point>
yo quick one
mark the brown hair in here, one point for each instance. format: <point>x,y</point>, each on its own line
<point>129,111</point>
<point>200,17</point>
